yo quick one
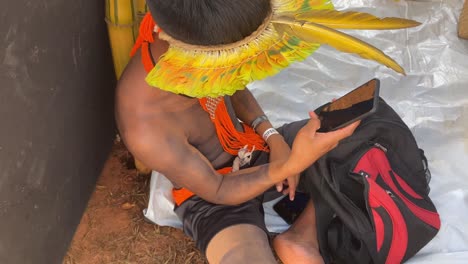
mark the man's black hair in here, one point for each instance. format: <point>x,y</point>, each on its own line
<point>209,22</point>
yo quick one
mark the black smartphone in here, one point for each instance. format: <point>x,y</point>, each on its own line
<point>351,107</point>
<point>290,210</point>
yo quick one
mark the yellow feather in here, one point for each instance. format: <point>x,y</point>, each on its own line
<point>354,20</point>
<point>315,33</point>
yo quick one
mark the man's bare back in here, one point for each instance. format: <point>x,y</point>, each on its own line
<point>143,111</point>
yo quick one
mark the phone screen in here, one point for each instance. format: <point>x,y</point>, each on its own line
<point>349,108</point>
<point>290,210</point>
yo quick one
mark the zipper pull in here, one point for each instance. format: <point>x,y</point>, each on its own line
<point>384,149</point>
<point>390,193</point>
<point>363,173</point>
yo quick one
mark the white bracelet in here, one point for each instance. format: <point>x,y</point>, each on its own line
<point>268,133</point>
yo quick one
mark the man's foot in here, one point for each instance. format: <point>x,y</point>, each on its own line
<point>293,248</point>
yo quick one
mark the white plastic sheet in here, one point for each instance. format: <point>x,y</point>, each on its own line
<point>432,99</point>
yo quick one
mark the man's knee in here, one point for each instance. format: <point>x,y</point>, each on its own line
<point>248,252</point>
<point>244,243</point>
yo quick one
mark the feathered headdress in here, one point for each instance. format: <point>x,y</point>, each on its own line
<point>291,32</point>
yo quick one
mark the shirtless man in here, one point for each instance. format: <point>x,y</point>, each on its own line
<point>172,134</point>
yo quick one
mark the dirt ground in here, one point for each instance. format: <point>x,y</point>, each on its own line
<point>113,229</point>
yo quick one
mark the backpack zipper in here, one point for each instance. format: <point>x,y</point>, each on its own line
<point>384,149</point>
<point>427,216</point>
<point>399,239</point>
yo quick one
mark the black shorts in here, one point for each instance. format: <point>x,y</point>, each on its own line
<point>202,220</point>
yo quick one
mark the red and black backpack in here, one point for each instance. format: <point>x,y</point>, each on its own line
<point>371,194</point>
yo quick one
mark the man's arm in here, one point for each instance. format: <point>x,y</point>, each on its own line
<point>171,154</point>
<point>246,106</point>
<point>166,150</point>
<point>247,110</point>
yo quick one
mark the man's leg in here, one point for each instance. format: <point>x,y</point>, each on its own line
<point>299,243</point>
<point>243,243</point>
<point>227,234</point>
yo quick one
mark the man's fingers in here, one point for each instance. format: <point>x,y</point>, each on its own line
<point>314,121</point>
<point>279,186</point>
<point>336,136</point>
<point>345,131</point>
<point>349,130</point>
<point>292,192</point>
<point>291,189</point>
<point>313,115</point>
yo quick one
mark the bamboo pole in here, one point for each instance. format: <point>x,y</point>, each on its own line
<point>463,22</point>
<point>122,18</point>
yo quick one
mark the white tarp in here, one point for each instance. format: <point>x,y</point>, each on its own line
<point>432,99</point>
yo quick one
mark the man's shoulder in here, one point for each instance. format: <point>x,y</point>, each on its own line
<point>139,107</point>
<point>133,75</point>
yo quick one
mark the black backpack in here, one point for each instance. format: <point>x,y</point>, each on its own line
<point>371,194</point>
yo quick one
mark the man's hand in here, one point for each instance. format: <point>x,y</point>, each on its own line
<point>309,145</point>
<point>280,151</point>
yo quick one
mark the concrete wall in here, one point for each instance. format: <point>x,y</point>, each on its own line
<point>56,122</point>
